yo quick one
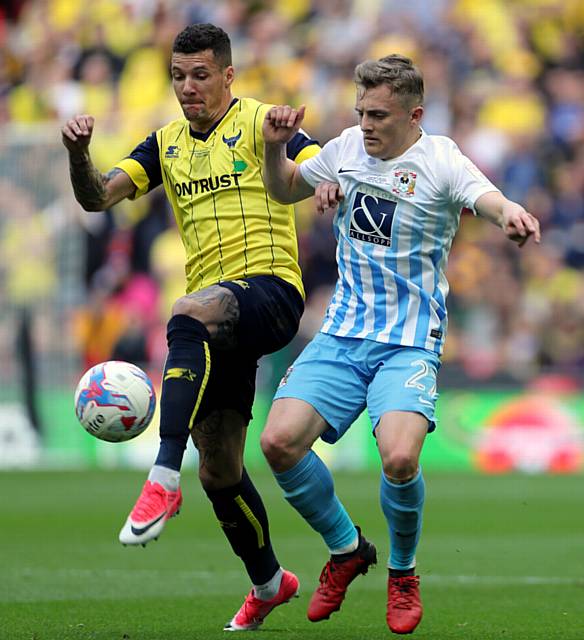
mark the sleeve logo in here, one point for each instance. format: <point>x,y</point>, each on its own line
<point>284,379</point>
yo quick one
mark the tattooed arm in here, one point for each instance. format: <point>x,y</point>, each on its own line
<point>93,190</point>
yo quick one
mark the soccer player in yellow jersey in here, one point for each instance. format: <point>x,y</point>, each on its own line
<point>244,295</point>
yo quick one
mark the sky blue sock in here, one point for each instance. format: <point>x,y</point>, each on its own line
<point>309,488</point>
<point>402,505</point>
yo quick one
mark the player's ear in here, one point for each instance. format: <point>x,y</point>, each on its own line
<point>229,76</point>
<point>416,114</point>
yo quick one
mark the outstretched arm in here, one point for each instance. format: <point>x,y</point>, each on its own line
<point>282,176</point>
<point>93,190</point>
<point>516,222</point>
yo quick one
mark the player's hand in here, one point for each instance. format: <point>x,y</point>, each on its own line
<point>327,196</point>
<point>282,123</point>
<point>76,133</point>
<point>519,225</point>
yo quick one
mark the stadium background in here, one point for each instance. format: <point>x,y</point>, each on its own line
<point>504,79</point>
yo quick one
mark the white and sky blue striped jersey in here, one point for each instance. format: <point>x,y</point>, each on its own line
<point>394,231</point>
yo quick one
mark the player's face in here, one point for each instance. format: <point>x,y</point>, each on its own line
<point>202,87</point>
<point>388,126</point>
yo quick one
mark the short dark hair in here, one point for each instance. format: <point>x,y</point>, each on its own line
<point>398,72</point>
<point>203,36</point>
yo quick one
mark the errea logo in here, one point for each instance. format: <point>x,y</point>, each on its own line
<point>172,151</point>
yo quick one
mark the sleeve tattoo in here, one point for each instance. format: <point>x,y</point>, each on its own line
<point>89,184</point>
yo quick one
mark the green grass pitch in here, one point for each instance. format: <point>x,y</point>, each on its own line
<point>500,557</point>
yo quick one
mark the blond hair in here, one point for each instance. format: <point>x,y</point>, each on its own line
<point>398,73</point>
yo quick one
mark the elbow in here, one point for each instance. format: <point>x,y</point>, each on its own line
<point>277,193</point>
<point>93,207</point>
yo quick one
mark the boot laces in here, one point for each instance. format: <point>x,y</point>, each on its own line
<point>403,592</point>
<point>328,577</point>
<point>252,608</point>
<point>152,502</point>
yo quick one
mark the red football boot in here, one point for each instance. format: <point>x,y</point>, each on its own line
<point>150,513</point>
<point>253,610</point>
<point>404,607</point>
<point>335,578</point>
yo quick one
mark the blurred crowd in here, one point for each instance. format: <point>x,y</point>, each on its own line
<point>504,78</point>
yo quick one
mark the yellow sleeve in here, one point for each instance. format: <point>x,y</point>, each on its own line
<point>307,152</point>
<point>137,175</point>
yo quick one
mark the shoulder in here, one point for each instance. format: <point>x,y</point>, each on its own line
<point>251,108</point>
<point>439,144</point>
<point>252,104</point>
<point>174,125</point>
<point>172,129</point>
<point>348,144</point>
<point>351,135</point>
<point>348,139</point>
<point>440,153</point>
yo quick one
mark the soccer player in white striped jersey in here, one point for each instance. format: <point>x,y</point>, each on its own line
<point>400,194</point>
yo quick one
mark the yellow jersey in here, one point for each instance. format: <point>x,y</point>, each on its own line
<point>229,225</point>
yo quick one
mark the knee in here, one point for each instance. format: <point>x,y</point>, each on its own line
<point>279,449</point>
<point>186,306</point>
<point>213,478</point>
<point>219,469</point>
<point>400,466</point>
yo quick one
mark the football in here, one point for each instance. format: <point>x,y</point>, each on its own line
<point>115,401</point>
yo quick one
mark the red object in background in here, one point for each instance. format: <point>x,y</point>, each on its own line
<point>3,28</point>
<point>530,433</point>
<point>139,298</point>
<point>555,383</point>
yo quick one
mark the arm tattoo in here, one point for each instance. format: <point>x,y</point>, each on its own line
<point>88,183</point>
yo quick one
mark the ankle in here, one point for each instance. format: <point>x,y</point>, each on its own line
<point>400,573</point>
<point>166,477</point>
<point>269,589</point>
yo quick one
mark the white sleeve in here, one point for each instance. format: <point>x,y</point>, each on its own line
<point>467,182</point>
<point>323,166</point>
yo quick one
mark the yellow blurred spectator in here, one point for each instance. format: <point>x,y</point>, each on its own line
<point>115,25</point>
<point>144,81</point>
<point>492,19</point>
<point>97,86</point>
<point>26,104</point>
<point>65,14</point>
<point>26,247</point>
<point>168,267</point>
<point>514,108</point>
